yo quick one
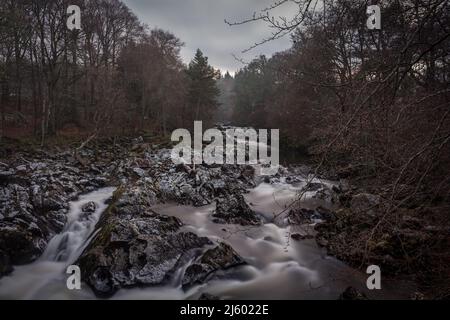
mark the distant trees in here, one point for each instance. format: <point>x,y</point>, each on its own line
<point>254,87</point>
<point>376,102</point>
<point>227,99</point>
<point>151,72</point>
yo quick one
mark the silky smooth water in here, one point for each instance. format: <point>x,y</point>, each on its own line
<point>277,266</point>
<point>46,278</point>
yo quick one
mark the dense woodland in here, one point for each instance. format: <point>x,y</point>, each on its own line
<point>375,103</point>
<point>115,76</point>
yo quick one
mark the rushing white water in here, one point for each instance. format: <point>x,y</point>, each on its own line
<point>277,266</point>
<point>46,277</point>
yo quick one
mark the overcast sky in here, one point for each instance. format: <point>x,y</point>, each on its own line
<point>200,24</point>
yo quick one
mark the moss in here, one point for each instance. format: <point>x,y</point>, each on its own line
<point>105,228</point>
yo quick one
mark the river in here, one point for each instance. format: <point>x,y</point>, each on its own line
<point>277,266</point>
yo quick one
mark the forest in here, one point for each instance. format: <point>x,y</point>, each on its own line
<point>113,77</point>
<point>365,109</point>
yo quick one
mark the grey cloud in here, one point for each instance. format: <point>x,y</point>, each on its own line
<point>200,24</point>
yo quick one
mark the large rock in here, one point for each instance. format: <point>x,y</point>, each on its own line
<point>26,226</point>
<point>234,210</point>
<point>221,257</point>
<point>201,186</point>
<point>21,244</point>
<point>138,247</point>
<point>299,216</point>
<point>5,264</point>
<point>34,201</point>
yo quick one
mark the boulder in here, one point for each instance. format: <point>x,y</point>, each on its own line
<point>135,246</point>
<point>300,237</point>
<point>89,207</point>
<point>314,186</point>
<point>34,201</point>
<point>234,210</point>
<point>299,216</point>
<point>21,244</point>
<point>26,227</point>
<point>221,257</point>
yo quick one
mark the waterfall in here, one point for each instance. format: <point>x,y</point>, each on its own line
<point>48,272</point>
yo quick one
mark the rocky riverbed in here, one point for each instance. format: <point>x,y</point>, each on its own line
<point>36,187</point>
<point>134,244</point>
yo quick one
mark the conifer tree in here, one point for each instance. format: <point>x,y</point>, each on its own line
<point>203,91</point>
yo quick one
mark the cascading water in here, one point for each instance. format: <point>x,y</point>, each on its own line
<point>277,266</point>
<point>45,278</point>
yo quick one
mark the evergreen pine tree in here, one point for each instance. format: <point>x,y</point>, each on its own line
<point>203,91</point>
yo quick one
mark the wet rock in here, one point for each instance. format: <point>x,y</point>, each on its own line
<point>219,186</point>
<point>325,194</point>
<point>87,210</point>
<point>138,140</point>
<point>21,169</point>
<point>145,250</point>
<point>136,198</point>
<point>300,237</point>
<point>37,166</point>
<point>322,241</point>
<point>233,209</point>
<point>188,186</point>
<point>345,199</point>
<point>201,186</point>
<point>34,200</point>
<point>89,207</point>
<point>365,203</point>
<point>6,175</point>
<point>5,264</point>
<point>314,186</point>
<point>26,227</point>
<point>299,216</point>
<point>139,172</point>
<point>221,257</point>
<point>352,294</point>
<point>21,244</point>
<point>138,247</point>
<point>325,214</point>
<point>183,189</point>
<point>248,174</point>
<point>208,297</point>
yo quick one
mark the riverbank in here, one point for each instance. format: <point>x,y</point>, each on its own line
<point>409,240</point>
